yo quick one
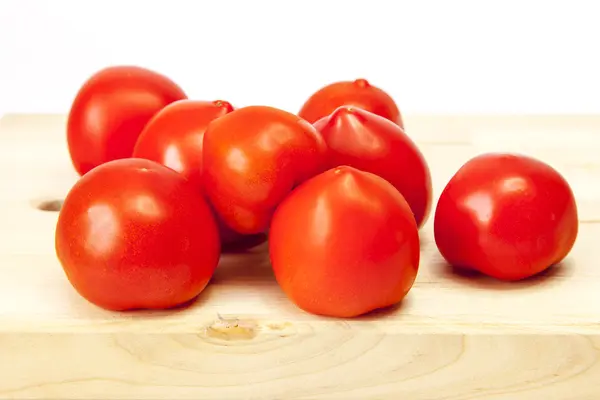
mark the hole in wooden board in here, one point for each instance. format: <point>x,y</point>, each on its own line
<point>49,205</point>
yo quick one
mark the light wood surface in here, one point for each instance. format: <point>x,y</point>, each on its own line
<point>452,338</point>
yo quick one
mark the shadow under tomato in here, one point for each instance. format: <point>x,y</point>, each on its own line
<point>375,315</point>
<point>244,244</point>
<point>477,279</point>
<point>145,313</point>
<point>382,313</point>
<point>251,265</point>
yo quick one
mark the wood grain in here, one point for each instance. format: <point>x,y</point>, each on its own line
<point>454,337</point>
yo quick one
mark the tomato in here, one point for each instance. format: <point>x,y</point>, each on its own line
<point>110,111</point>
<point>344,243</point>
<point>174,137</point>
<point>359,93</point>
<point>508,216</point>
<point>135,234</point>
<point>253,158</point>
<point>364,140</point>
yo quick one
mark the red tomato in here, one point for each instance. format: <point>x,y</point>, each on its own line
<point>110,111</point>
<point>174,138</point>
<point>134,234</point>
<point>508,216</point>
<point>372,143</point>
<point>253,158</point>
<point>359,93</point>
<point>344,243</point>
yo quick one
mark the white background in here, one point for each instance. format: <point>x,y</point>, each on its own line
<point>431,56</point>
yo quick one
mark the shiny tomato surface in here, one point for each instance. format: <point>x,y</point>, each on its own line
<point>508,216</point>
<point>344,243</point>
<point>371,143</point>
<point>358,93</point>
<point>111,109</point>
<point>253,158</point>
<point>135,234</point>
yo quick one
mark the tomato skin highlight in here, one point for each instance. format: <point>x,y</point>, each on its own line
<point>134,234</point>
<point>371,143</point>
<point>358,93</point>
<point>508,216</point>
<point>344,243</point>
<point>111,109</point>
<point>253,157</point>
<point>174,137</point>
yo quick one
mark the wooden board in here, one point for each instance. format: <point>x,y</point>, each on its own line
<point>452,338</point>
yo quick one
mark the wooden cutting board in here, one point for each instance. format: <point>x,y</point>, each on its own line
<point>452,338</point>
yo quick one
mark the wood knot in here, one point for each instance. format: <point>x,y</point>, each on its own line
<point>236,329</point>
<point>231,329</point>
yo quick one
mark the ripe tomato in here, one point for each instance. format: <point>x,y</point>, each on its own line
<point>135,234</point>
<point>174,137</point>
<point>110,111</point>
<point>359,93</point>
<point>361,139</point>
<point>508,216</point>
<point>253,158</point>
<point>344,243</point>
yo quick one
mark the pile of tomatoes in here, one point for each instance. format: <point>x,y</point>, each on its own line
<point>339,189</point>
